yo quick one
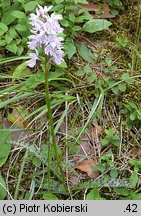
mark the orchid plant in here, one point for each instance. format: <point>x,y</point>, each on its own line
<point>45,36</point>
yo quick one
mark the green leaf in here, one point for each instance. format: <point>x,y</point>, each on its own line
<point>122,87</point>
<point>95,25</point>
<point>63,65</point>
<point>110,132</point>
<point>12,47</point>
<point>3,192</point>
<point>20,49</point>
<point>58,1</point>
<point>100,167</point>
<point>105,141</point>
<point>122,191</point>
<point>12,32</point>
<point>115,90</point>
<point>18,14</point>
<point>7,18</point>
<point>5,146</point>
<point>114,173</point>
<point>126,77</point>
<point>80,72</point>
<point>92,77</point>
<point>70,49</point>
<point>20,71</point>
<point>82,18</point>
<point>72,17</point>
<point>8,38</point>
<point>93,194</point>
<point>81,1</point>
<point>133,116</point>
<point>1,32</point>
<point>135,162</point>
<point>64,23</point>
<point>36,162</point>
<point>85,53</point>
<point>21,27</point>
<point>49,196</point>
<point>2,42</point>
<point>30,6</point>
<point>87,69</point>
<point>84,70</point>
<point>134,179</point>
<point>136,196</point>
<point>3,27</point>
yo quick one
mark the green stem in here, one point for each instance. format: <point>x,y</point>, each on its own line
<point>20,176</point>
<point>51,126</point>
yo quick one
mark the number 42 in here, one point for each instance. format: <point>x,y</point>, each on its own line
<point>131,208</point>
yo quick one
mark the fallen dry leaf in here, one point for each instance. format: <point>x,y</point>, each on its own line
<point>136,152</point>
<point>16,135</point>
<point>85,149</point>
<point>86,166</point>
<point>103,8</point>
<point>16,117</point>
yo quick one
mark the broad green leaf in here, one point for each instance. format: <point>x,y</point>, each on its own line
<point>64,23</point>
<point>8,38</point>
<point>134,179</point>
<point>36,162</point>
<point>133,116</point>
<point>135,162</point>
<point>126,77</point>
<point>12,32</point>
<point>21,27</point>
<point>87,69</point>
<point>72,17</point>
<point>80,72</point>
<point>3,27</point>
<point>115,90</point>
<point>114,173</point>
<point>30,6</point>
<point>1,32</point>
<point>5,4</point>
<point>7,18</point>
<point>5,146</point>
<point>122,191</point>
<point>3,191</point>
<point>12,47</point>
<point>135,196</point>
<point>122,87</point>
<point>70,49</point>
<point>82,18</point>
<point>93,194</point>
<point>18,14</point>
<point>49,196</point>
<point>85,53</point>
<point>20,49</point>
<point>95,25</point>
<point>2,42</point>
<point>100,167</point>
<point>92,77</point>
<point>105,141</point>
<point>84,70</point>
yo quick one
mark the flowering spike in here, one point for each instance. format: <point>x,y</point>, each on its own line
<point>45,33</point>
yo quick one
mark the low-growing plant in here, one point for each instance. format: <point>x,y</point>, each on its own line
<point>111,138</point>
<point>132,112</point>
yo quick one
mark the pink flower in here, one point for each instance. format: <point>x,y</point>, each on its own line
<point>45,33</point>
